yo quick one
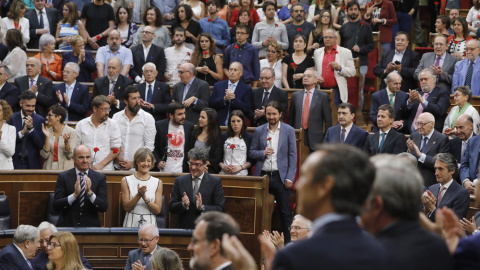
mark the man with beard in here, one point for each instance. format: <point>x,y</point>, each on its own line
<point>71,95</point>
<point>112,85</point>
<point>112,49</point>
<point>465,69</point>
<point>215,26</point>
<point>173,140</point>
<point>139,259</point>
<point>30,137</point>
<point>137,128</point>
<point>206,244</point>
<point>298,25</point>
<point>101,134</point>
<point>176,55</point>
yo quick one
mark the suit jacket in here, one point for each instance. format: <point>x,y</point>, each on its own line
<point>156,55</point>
<point>467,254</point>
<point>327,248</point>
<point>31,15</point>
<point>86,67</point>
<point>438,143</point>
<point>286,151</point>
<point>34,140</point>
<point>212,197</point>
<point>356,137</point>
<point>448,67</point>
<point>456,198</point>
<point>319,113</point>
<point>45,95</point>
<point>438,104</point>
<point>242,101</point>
<point>381,97</point>
<point>276,94</point>
<point>11,258</point>
<point>161,141</point>
<point>343,58</point>
<point>101,86</point>
<point>409,64</point>
<point>469,162</point>
<point>11,95</point>
<point>79,103</point>
<point>395,143</point>
<point>458,79</point>
<point>456,147</point>
<point>134,256</point>
<point>199,89</point>
<point>160,99</point>
<point>412,247</point>
<point>73,215</point>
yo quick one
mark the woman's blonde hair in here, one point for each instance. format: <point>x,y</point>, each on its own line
<point>75,39</point>
<point>7,110</point>
<point>71,256</point>
<point>141,155</point>
<point>165,259</point>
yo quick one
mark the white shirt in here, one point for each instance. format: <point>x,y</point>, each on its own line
<point>135,134</point>
<point>175,57</point>
<point>446,186</point>
<point>46,24</point>
<point>71,198</point>
<point>271,160</point>
<point>105,137</point>
<point>380,137</point>
<point>398,56</point>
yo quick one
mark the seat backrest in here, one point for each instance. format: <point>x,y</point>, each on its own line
<point>5,217</point>
<point>52,215</point>
<point>162,217</point>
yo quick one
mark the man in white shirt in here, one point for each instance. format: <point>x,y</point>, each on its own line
<point>101,134</point>
<point>17,255</point>
<point>137,128</point>
<point>176,55</point>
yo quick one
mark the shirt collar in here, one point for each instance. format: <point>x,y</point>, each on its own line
<point>269,90</point>
<point>223,265</point>
<point>191,81</point>
<point>389,92</point>
<point>441,57</point>
<point>200,177</point>
<point>43,10</point>
<point>34,78</point>
<point>397,52</point>
<point>348,128</point>
<point>386,132</point>
<point>429,135</point>
<point>71,85</point>
<point>278,127</point>
<point>21,251</point>
<point>230,82</point>
<point>77,171</point>
<point>447,185</point>
<point>149,46</point>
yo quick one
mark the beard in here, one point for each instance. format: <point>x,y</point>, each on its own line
<point>134,109</point>
<point>353,16</point>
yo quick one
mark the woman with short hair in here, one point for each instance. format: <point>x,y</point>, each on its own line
<point>51,62</point>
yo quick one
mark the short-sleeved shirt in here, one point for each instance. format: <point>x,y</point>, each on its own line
<point>97,18</point>
<point>104,53</point>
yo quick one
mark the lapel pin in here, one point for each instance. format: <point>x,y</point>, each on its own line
<point>40,84</point>
<point>434,142</point>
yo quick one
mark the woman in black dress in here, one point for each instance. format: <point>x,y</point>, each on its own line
<point>295,64</point>
<point>208,63</point>
<point>315,39</point>
<point>183,19</point>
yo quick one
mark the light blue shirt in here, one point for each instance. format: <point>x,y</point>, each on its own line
<point>104,53</point>
<point>165,6</point>
<point>219,30</point>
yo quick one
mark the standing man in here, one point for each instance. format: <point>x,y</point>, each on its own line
<point>275,150</point>
<point>137,128</point>
<point>112,85</point>
<point>148,241</point>
<point>266,32</point>
<point>176,55</point>
<point>80,193</point>
<point>192,92</point>
<point>8,92</point>
<point>112,49</point>
<point>99,19</point>
<point>466,69</point>
<point>30,138</point>
<point>100,133</point>
<point>469,163</point>
<point>346,131</point>
<point>197,192</point>
<point>215,26</point>
<point>298,26</point>
<point>41,86</point>
<point>309,110</point>
<point>463,133</point>
<point>18,255</point>
<point>42,21</point>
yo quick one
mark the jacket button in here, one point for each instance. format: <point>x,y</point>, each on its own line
<point>81,214</point>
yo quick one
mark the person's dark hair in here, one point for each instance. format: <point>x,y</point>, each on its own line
<point>402,33</point>
<point>326,5</point>
<point>233,31</point>
<point>99,100</point>
<point>72,18</point>
<point>266,4</point>
<point>129,90</point>
<point>197,55</point>
<point>298,4</point>
<point>276,105</point>
<point>300,36</point>
<point>243,131</point>
<point>28,95</point>
<point>476,4</point>
<point>14,39</point>
<point>218,224</point>
<point>174,106</point>
<point>352,173</point>
<point>464,26</point>
<point>464,90</point>
<point>59,110</point>
<point>449,161</point>
<point>14,11</point>
<point>353,3</point>
<point>445,20</point>
<point>212,2</point>
<point>319,29</point>
<point>242,26</point>
<point>158,17</point>
<point>213,128</point>
<point>129,15</point>
<point>389,108</point>
<point>188,13</point>
<point>179,29</point>
<point>347,105</point>
<point>198,153</point>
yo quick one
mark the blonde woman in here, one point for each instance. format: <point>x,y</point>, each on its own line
<point>62,249</point>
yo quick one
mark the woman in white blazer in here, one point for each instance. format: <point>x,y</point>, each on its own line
<point>60,140</point>
<point>15,19</point>
<point>7,137</point>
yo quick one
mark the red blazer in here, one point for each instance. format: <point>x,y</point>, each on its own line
<point>253,17</point>
<point>388,13</point>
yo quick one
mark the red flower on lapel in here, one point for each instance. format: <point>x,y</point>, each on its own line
<point>299,30</point>
<point>96,149</point>
<point>362,24</point>
<point>210,20</point>
<point>236,47</point>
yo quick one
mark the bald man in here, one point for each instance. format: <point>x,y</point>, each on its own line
<point>114,48</point>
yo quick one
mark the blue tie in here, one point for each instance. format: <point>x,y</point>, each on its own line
<point>342,135</point>
<point>149,94</point>
<point>468,77</point>
<point>32,82</point>
<point>41,20</point>
<point>147,260</point>
<point>425,139</point>
<point>381,142</point>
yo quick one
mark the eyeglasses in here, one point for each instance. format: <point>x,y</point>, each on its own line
<point>195,164</point>
<point>296,228</point>
<point>328,37</point>
<point>470,49</point>
<point>147,32</point>
<point>105,109</point>
<point>140,240</point>
<point>420,124</point>
<point>50,115</point>
<point>270,51</point>
<point>241,33</point>
<point>265,78</point>
<point>181,72</point>
<point>53,245</point>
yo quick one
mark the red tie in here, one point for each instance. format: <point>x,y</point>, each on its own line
<point>437,63</point>
<point>306,110</point>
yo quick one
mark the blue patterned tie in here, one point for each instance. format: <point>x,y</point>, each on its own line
<point>149,94</point>
<point>82,186</point>
<point>32,82</point>
<point>468,78</point>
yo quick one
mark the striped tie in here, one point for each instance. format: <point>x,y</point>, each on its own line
<point>82,186</point>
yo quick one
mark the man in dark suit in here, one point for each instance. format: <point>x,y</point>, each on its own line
<point>192,92</point>
<point>346,131</point>
<point>30,138</point>
<point>173,140</point>
<point>155,94</point>
<point>42,21</point>
<point>393,220</point>
<point>80,193</point>
<point>424,144</point>
<point>197,192</point>
<point>112,85</point>
<point>17,255</point>
<point>8,92</point>
<point>72,95</point>
<point>387,140</point>
<point>148,241</point>
<point>402,60</point>
<point>309,109</point>
<point>275,150</point>
<point>268,92</point>
<point>463,133</point>
<point>469,164</point>
<point>390,95</point>
<point>41,86</point>
<point>334,183</point>
<point>155,55</point>
<point>231,95</point>
<point>446,192</point>
<point>429,98</point>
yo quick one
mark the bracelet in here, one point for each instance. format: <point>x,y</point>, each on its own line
<point>148,202</point>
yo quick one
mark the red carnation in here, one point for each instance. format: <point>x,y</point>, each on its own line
<point>232,146</point>
<point>236,47</point>
<point>436,3</point>
<point>276,25</point>
<point>299,30</point>
<point>115,150</point>
<point>169,135</point>
<point>269,138</point>
<point>335,52</point>
<point>362,24</point>
<point>210,20</point>
<point>98,37</point>
<point>383,6</point>
<point>205,52</point>
<point>478,16</point>
<point>96,149</point>
<point>317,2</point>
<point>188,53</point>
<point>291,3</point>
<point>344,7</point>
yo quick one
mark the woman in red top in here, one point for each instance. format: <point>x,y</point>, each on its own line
<point>248,5</point>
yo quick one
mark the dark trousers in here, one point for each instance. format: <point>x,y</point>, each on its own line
<point>282,196</point>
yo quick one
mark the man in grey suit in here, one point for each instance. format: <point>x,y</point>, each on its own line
<point>319,111</point>
<point>148,242</point>
<point>446,63</point>
<point>424,144</point>
<point>192,92</point>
